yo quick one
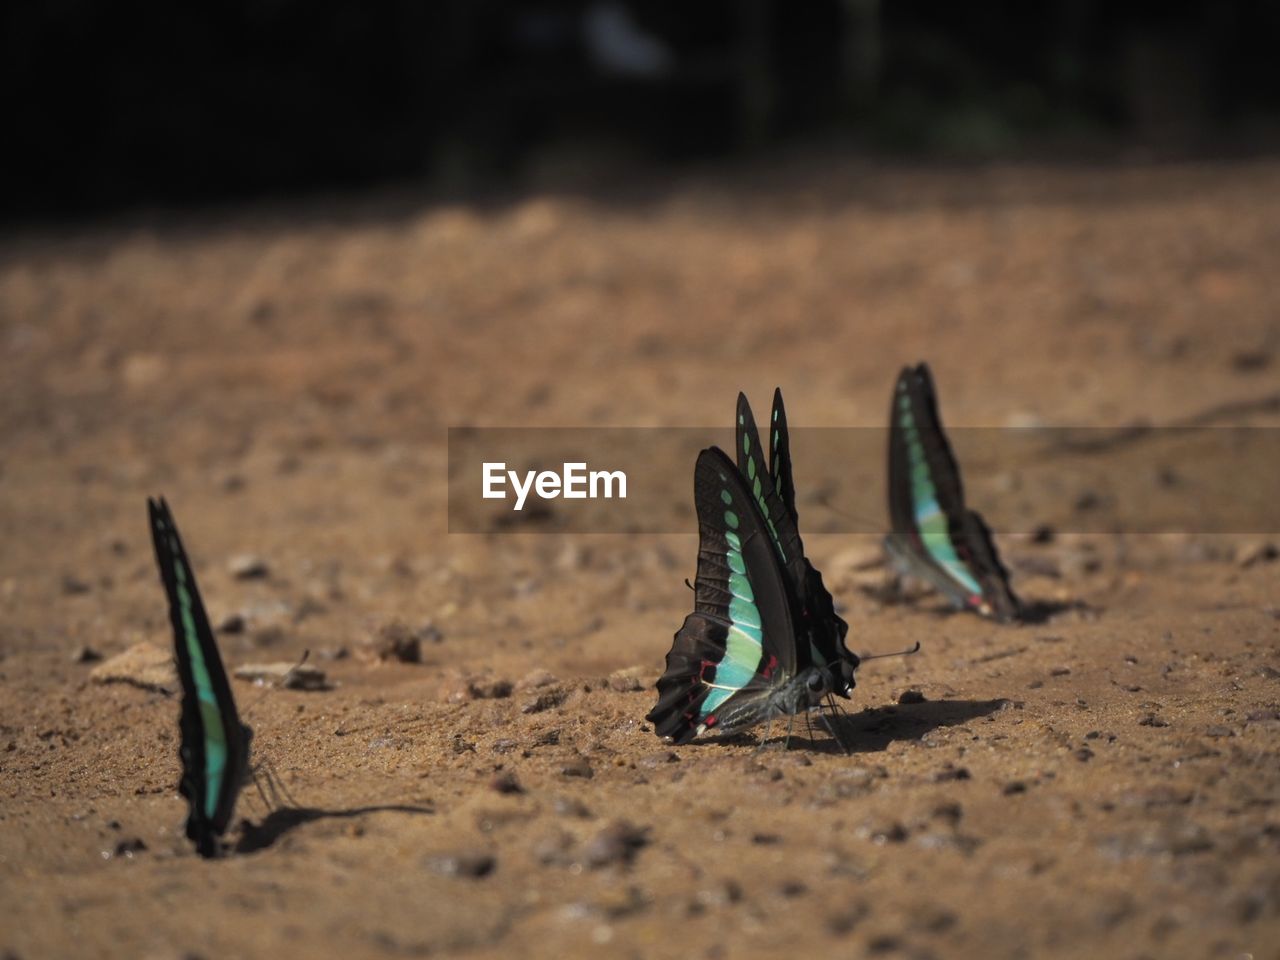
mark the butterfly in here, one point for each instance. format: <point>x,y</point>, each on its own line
<point>819,620</point>
<point>215,744</point>
<point>763,640</point>
<point>935,537</point>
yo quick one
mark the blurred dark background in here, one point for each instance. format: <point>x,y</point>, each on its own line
<point>141,104</point>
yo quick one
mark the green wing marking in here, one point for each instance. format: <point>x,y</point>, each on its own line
<point>930,521</point>
<point>215,735</point>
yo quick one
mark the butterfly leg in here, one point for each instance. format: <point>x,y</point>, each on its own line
<point>791,722</point>
<point>279,790</point>
<point>257,783</point>
<point>836,709</point>
<point>768,732</point>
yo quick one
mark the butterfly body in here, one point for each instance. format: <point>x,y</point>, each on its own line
<point>762,641</point>
<point>215,744</point>
<point>935,537</point>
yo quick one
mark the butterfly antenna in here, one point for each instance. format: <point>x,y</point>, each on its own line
<point>866,524</point>
<point>284,682</point>
<point>897,653</point>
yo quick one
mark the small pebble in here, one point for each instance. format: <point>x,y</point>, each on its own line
<point>1251,554</point>
<point>231,623</point>
<point>489,688</point>
<point>72,585</point>
<point>536,678</point>
<point>85,654</point>
<point>395,641</point>
<point>571,807</point>
<point>506,782</point>
<point>616,843</point>
<point>1043,534</point>
<point>129,846</point>
<point>949,812</point>
<point>1013,788</point>
<point>911,696</point>
<point>247,566</point>
<point>470,864</point>
<point>628,680</point>
<point>545,700</point>
<point>578,767</point>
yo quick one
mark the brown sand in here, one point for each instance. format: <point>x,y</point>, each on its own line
<point>1102,784</point>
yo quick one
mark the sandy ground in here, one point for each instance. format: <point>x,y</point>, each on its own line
<point>1102,783</point>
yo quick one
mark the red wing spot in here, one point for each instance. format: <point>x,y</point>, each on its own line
<point>769,667</point>
<point>975,600</point>
<point>711,720</point>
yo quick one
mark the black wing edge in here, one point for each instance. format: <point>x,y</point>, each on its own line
<point>680,690</point>
<point>703,634</point>
<point>780,456</point>
<point>202,830</point>
<point>985,561</point>
<point>901,515</point>
<point>748,448</point>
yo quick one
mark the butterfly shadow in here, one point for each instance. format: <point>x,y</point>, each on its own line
<point>1037,612</point>
<point>873,729</point>
<point>259,836</point>
<point>1034,613</point>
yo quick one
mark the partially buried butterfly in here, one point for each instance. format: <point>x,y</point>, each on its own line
<point>215,744</point>
<point>764,640</point>
<point>935,537</point>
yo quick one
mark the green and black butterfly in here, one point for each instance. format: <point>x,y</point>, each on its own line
<point>935,537</point>
<point>215,744</point>
<point>818,618</point>
<point>763,640</point>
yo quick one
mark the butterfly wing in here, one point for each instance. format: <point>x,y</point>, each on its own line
<point>779,520</point>
<point>739,642</point>
<point>935,536</point>
<point>780,456</point>
<point>215,744</point>
<point>817,613</point>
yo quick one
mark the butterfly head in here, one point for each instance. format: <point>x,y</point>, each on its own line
<point>848,666</point>
<point>812,686</point>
